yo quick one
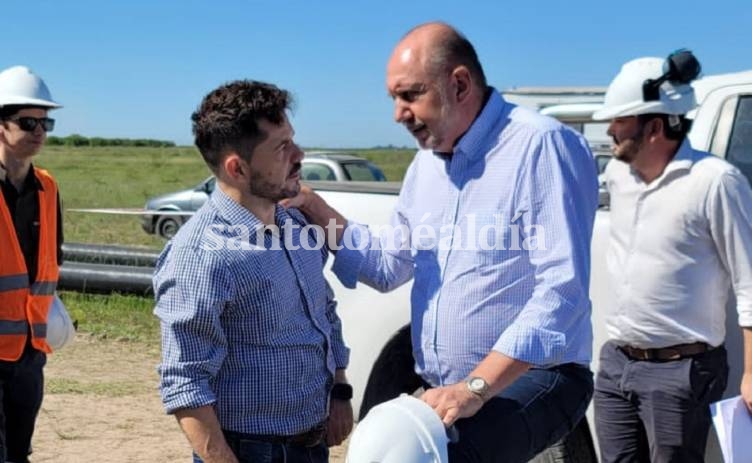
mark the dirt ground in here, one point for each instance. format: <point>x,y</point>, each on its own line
<point>101,404</point>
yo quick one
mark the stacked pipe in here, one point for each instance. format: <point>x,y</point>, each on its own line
<point>96,268</point>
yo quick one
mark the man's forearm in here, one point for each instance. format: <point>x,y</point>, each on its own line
<point>499,371</point>
<point>204,433</point>
<point>746,386</point>
<point>747,332</point>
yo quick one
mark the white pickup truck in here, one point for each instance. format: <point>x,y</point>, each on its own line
<point>376,324</point>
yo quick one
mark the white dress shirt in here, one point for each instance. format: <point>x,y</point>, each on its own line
<point>678,246</point>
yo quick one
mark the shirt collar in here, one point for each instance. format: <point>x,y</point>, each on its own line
<point>681,163</point>
<point>479,135</point>
<point>31,180</point>
<point>234,213</point>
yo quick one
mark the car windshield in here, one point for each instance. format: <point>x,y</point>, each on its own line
<point>363,171</point>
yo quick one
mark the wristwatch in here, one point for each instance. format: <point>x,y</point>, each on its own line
<point>477,386</point>
<point>342,391</point>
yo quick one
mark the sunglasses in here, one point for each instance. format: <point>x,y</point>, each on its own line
<point>29,124</point>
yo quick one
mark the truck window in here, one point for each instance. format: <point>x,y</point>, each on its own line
<point>739,152</point>
<point>362,171</point>
<point>312,171</point>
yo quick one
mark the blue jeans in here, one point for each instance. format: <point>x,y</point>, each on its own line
<point>537,410</point>
<point>254,451</point>
<point>656,411</point>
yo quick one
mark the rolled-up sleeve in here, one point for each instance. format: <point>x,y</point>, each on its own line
<point>191,287</point>
<point>561,193</point>
<point>729,208</point>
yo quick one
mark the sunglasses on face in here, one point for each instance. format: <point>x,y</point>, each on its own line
<point>29,124</point>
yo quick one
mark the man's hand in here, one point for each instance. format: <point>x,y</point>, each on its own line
<point>302,200</point>
<point>746,391</point>
<point>452,402</point>
<point>340,421</point>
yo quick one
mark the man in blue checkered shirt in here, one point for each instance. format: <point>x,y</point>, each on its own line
<point>253,359</point>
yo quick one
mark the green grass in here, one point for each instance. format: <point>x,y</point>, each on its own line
<point>115,177</point>
<point>106,389</point>
<point>114,316</point>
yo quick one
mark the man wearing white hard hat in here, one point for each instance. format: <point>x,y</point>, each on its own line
<point>30,254</point>
<point>681,240</point>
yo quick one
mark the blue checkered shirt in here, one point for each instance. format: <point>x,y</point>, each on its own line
<point>534,179</point>
<point>254,333</point>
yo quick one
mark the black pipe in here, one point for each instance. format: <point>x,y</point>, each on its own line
<point>108,254</point>
<point>104,278</point>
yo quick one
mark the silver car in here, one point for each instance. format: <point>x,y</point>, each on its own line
<point>172,210</point>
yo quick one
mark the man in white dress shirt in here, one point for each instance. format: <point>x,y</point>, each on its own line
<point>681,240</point>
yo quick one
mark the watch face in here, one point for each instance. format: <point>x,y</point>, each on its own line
<point>477,384</point>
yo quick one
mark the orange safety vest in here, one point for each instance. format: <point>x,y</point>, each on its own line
<point>24,305</point>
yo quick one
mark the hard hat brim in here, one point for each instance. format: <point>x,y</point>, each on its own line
<point>11,100</point>
<point>629,109</point>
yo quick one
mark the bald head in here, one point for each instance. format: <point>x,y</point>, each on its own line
<point>438,48</point>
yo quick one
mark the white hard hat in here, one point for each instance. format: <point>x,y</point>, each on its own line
<point>60,329</point>
<point>402,430</point>
<point>20,86</point>
<point>626,95</point>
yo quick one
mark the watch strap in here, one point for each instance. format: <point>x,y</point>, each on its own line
<point>342,391</point>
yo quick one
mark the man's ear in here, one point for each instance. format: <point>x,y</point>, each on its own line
<point>233,166</point>
<point>463,83</point>
<point>655,128</point>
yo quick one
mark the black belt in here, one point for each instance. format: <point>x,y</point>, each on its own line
<point>664,354</point>
<point>309,438</point>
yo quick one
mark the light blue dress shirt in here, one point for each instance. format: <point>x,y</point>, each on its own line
<point>252,332</point>
<point>527,186</point>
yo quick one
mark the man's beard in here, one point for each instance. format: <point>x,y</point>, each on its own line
<point>627,152</point>
<point>263,189</point>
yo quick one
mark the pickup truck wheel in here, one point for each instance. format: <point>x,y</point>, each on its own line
<point>392,374</point>
<point>167,226</point>
<point>576,447</point>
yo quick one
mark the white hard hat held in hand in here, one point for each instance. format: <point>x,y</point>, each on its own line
<point>402,430</point>
<point>20,86</point>
<point>60,329</point>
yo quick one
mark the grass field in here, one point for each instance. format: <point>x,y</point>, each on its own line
<point>115,177</point>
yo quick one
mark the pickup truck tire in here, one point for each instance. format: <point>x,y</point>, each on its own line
<point>393,374</point>
<point>575,447</point>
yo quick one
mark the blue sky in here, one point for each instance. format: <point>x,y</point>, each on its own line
<point>139,68</point>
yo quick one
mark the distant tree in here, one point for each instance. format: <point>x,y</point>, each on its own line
<point>76,140</point>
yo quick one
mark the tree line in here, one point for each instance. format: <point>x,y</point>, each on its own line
<point>80,140</point>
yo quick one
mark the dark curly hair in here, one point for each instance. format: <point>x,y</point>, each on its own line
<point>228,117</point>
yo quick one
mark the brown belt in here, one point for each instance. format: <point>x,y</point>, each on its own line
<point>309,438</point>
<point>676,352</point>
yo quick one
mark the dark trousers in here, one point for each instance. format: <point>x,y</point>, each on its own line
<point>533,413</point>
<point>21,387</point>
<point>254,451</point>
<point>656,411</point>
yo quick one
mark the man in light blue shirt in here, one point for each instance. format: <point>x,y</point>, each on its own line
<point>493,223</point>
